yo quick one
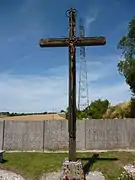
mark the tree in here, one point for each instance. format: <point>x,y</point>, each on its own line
<point>132,110</point>
<point>79,114</point>
<point>126,67</point>
<point>97,108</point>
<point>67,113</point>
<point>62,111</point>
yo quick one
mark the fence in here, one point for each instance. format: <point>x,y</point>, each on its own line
<point>53,135</point>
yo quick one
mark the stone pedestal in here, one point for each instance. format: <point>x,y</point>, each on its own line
<point>72,170</point>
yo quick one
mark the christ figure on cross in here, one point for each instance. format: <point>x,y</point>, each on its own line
<point>71,42</point>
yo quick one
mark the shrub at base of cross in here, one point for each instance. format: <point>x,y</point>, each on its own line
<point>128,173</point>
<point>72,170</point>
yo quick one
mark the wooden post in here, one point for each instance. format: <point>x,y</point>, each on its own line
<point>72,88</point>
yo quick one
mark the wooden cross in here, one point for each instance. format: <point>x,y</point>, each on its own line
<point>71,42</point>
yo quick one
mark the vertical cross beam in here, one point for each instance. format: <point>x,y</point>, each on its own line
<point>71,42</point>
<point>72,88</point>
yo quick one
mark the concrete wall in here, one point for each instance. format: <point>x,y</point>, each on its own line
<point>53,135</point>
<point>80,135</point>
<point>1,134</point>
<point>56,135</point>
<point>23,135</point>
<point>107,134</point>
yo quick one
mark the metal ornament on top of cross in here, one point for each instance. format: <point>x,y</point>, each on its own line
<point>72,42</point>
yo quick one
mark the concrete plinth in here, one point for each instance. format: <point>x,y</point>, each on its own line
<point>72,170</point>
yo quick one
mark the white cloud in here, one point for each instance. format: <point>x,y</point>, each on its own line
<point>114,93</point>
<point>89,19</point>
<point>25,93</point>
<point>31,93</point>
<point>88,22</point>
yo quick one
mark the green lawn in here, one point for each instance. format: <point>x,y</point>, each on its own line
<point>32,165</point>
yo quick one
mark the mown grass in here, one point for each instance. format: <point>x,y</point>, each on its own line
<point>33,165</point>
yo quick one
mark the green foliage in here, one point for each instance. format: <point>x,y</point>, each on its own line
<point>97,108</point>
<point>67,112</point>
<point>126,66</point>
<point>132,111</point>
<point>81,114</point>
<point>62,111</point>
<point>126,176</point>
<point>94,111</point>
<point>23,114</point>
<point>4,113</point>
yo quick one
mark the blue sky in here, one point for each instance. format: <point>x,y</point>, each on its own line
<point>34,79</point>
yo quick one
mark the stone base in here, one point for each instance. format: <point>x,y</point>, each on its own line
<point>72,170</point>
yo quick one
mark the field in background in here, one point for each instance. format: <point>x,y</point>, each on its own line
<point>34,117</point>
<point>119,111</point>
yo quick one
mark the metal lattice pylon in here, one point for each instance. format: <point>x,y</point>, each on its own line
<point>83,94</point>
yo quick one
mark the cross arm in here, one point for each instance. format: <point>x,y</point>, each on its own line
<point>78,41</point>
<point>91,41</point>
<point>54,42</point>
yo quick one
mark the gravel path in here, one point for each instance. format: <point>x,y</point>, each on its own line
<point>8,175</point>
<point>95,176</point>
<point>56,175</point>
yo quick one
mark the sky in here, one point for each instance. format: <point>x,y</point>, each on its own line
<point>34,79</point>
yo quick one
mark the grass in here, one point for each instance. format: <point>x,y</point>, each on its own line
<point>33,165</point>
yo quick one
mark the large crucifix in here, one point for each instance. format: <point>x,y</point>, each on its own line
<point>71,42</point>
